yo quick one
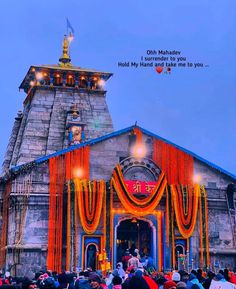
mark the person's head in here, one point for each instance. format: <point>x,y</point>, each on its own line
<point>135,254</point>
<point>169,285</point>
<point>119,265</point>
<point>194,272</point>
<point>47,283</point>
<point>199,272</point>
<point>184,276</point>
<point>116,280</point>
<point>210,274</point>
<point>28,284</point>
<point>176,277</point>
<point>192,276</point>
<point>219,277</point>
<point>94,281</point>
<point>139,274</point>
<point>181,285</point>
<point>49,272</point>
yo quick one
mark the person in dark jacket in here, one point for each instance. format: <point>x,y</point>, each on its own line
<point>207,283</point>
<point>137,281</point>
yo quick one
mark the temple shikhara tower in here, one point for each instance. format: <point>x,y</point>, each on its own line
<point>76,194</point>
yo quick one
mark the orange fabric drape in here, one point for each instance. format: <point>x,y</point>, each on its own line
<point>139,135</point>
<point>176,164</point>
<point>56,187</point>
<point>5,218</point>
<point>61,170</point>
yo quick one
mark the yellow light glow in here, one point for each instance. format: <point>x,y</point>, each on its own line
<point>39,76</point>
<point>95,78</point>
<point>32,83</point>
<point>82,78</point>
<point>139,151</point>
<point>33,69</point>
<point>79,173</point>
<point>57,75</point>
<point>197,179</point>
<point>45,74</point>
<point>101,82</point>
<point>69,76</point>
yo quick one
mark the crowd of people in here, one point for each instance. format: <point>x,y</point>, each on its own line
<point>131,278</point>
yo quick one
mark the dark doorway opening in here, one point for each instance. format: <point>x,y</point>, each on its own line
<point>91,257</point>
<point>131,234</point>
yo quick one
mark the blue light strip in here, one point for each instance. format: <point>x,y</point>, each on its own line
<point>120,132</point>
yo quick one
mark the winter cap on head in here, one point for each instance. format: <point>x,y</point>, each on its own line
<point>94,277</point>
<point>47,283</point>
<point>139,273</point>
<point>176,276</point>
<point>169,284</point>
<point>219,276</point>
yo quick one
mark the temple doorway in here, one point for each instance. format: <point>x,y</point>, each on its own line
<point>134,233</point>
<point>90,253</point>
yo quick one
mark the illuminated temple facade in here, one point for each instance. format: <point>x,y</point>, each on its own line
<point>76,194</point>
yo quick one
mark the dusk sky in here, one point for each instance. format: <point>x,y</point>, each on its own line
<point>192,107</point>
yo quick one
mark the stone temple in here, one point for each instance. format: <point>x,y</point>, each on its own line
<point>75,193</point>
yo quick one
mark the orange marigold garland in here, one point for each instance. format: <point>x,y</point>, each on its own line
<point>204,237</point>
<point>89,225</point>
<point>160,244</point>
<point>172,234</point>
<point>185,230</point>
<point>208,261</point>
<point>68,228</point>
<point>201,237</point>
<point>167,218</point>
<point>132,204</point>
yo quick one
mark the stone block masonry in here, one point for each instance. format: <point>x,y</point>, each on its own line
<point>42,128</point>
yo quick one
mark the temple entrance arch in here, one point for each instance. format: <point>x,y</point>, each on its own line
<point>134,232</point>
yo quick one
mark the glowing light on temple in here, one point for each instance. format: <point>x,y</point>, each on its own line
<point>139,151</point>
<point>197,179</point>
<point>79,173</point>
<point>39,76</point>
<point>101,83</point>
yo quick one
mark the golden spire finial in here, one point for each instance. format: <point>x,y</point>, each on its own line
<point>65,60</point>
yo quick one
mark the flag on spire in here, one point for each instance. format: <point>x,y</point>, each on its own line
<point>69,28</point>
